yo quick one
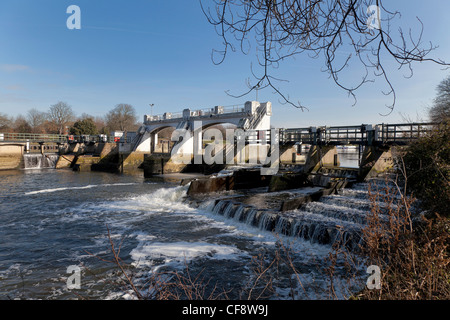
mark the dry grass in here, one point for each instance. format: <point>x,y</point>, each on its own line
<point>412,252</point>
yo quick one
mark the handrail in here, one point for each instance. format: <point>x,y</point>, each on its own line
<point>262,109</point>
<point>48,138</point>
<point>359,134</point>
<point>32,137</point>
<point>198,113</point>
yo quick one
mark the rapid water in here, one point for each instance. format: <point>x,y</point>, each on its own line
<point>333,219</point>
<point>53,219</point>
<point>40,161</point>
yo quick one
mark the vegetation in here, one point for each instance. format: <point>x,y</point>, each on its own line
<point>412,252</point>
<point>440,111</point>
<point>84,126</point>
<point>61,115</point>
<point>60,118</point>
<point>427,166</point>
<point>5,122</point>
<point>122,117</point>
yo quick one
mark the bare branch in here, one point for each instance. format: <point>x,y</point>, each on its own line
<point>283,29</point>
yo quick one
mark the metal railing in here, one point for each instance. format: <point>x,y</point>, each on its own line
<point>253,122</point>
<point>57,138</point>
<point>303,135</point>
<point>357,135</point>
<point>403,133</point>
<point>196,113</point>
<point>346,135</point>
<point>32,137</point>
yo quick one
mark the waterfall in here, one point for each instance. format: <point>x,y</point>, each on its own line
<point>334,218</point>
<point>40,161</point>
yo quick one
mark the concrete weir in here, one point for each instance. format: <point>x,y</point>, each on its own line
<point>271,210</point>
<point>104,157</point>
<point>281,192</point>
<point>18,155</point>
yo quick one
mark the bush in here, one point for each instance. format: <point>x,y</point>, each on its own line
<point>427,170</point>
<point>412,253</point>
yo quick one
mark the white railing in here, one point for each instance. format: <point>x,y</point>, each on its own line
<point>206,112</point>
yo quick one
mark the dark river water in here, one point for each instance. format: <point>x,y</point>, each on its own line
<point>51,220</point>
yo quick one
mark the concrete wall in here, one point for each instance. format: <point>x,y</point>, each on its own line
<point>101,157</point>
<point>144,144</point>
<point>106,149</point>
<point>84,163</point>
<point>11,156</point>
<point>65,161</point>
<point>376,161</point>
<point>160,164</point>
<point>321,156</point>
<point>288,155</point>
<point>130,163</point>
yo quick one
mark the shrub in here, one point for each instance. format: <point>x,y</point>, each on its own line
<point>427,170</point>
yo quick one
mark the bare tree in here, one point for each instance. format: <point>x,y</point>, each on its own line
<point>21,125</point>
<point>339,31</point>
<point>61,115</point>
<point>5,122</point>
<point>36,119</point>
<point>122,117</point>
<point>440,110</point>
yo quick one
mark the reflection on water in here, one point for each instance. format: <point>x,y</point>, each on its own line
<point>348,158</point>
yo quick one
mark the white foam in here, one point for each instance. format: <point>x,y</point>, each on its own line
<point>161,200</point>
<point>182,251</point>
<point>78,188</point>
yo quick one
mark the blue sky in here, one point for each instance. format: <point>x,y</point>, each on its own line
<point>141,52</point>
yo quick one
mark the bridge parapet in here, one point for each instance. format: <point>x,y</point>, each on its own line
<point>187,113</point>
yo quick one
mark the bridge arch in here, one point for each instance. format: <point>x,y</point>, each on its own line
<point>253,116</point>
<point>155,139</point>
<point>161,139</point>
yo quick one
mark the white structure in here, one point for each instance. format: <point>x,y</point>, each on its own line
<point>253,116</point>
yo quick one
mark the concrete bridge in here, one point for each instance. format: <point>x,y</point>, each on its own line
<point>377,145</point>
<point>252,116</point>
<point>373,141</point>
<point>365,134</point>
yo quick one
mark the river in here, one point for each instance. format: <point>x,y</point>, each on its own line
<point>51,220</point>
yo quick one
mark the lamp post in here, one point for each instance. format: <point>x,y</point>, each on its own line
<point>152,142</point>
<point>151,108</point>
<point>257,88</point>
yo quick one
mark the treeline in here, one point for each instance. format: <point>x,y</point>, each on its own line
<point>60,118</point>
